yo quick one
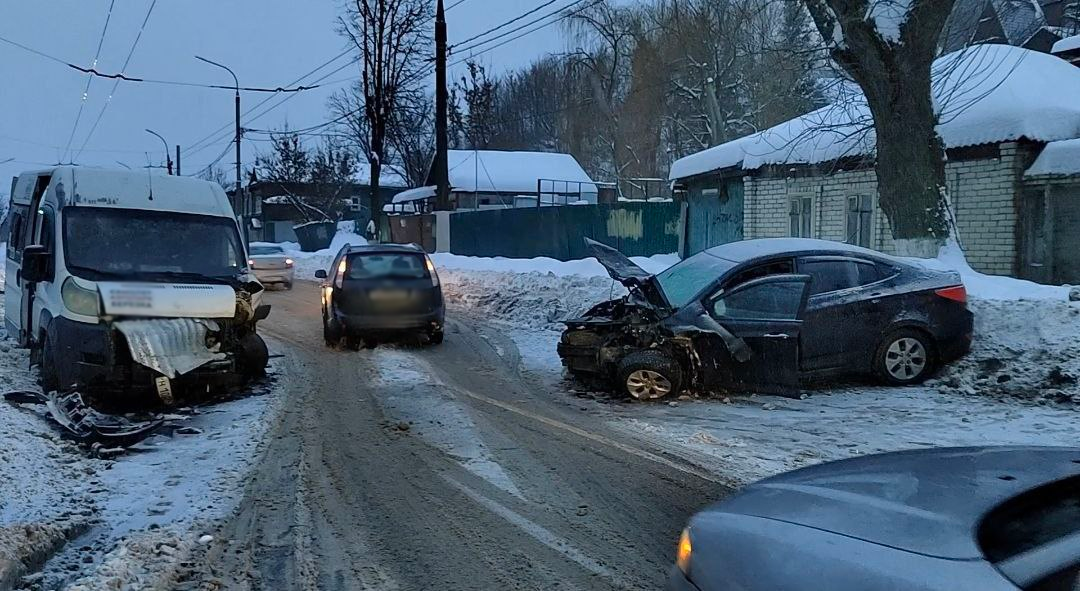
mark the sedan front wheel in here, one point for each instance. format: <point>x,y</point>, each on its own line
<point>649,375</point>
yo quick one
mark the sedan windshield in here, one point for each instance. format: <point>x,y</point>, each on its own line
<point>108,243</point>
<point>681,282</point>
<point>387,266</point>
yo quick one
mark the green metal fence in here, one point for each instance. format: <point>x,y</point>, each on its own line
<point>636,229</point>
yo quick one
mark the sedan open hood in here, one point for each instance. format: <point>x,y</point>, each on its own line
<point>623,270</point>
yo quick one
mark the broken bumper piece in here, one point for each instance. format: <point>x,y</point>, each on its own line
<point>84,423</point>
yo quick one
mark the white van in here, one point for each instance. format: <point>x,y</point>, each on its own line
<point>122,281</point>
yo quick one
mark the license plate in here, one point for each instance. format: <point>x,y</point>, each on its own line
<point>164,390</point>
<point>387,295</point>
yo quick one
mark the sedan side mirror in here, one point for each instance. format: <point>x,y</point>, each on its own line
<point>320,274</point>
<point>35,263</point>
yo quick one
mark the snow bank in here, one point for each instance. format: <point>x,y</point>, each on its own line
<point>982,94</point>
<point>989,287</point>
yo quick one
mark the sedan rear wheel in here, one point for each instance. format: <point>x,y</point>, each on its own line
<point>904,357</point>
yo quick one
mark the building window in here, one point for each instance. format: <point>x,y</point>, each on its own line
<point>802,218</point>
<point>860,217</point>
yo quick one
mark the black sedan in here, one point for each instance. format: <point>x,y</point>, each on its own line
<point>378,291</point>
<point>951,519</point>
<point>768,316</point>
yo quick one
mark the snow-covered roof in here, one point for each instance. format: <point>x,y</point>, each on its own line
<point>515,172</point>
<point>983,94</point>
<point>416,194</point>
<point>1067,44</point>
<point>1057,159</point>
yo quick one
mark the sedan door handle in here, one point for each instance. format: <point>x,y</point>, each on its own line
<point>778,335</point>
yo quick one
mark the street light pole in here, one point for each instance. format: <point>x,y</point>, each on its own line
<point>168,161</point>
<point>241,199</point>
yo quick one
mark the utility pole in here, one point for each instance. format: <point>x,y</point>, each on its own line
<point>177,159</point>
<point>241,199</point>
<point>442,175</point>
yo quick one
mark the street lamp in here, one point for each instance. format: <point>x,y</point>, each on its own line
<point>168,160</point>
<point>241,199</point>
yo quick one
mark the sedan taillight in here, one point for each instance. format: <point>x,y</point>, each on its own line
<point>957,293</point>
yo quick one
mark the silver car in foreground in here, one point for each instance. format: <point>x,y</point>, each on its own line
<point>270,264</point>
<point>986,519</point>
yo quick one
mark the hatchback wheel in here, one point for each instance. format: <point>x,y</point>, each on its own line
<point>904,357</point>
<point>649,375</point>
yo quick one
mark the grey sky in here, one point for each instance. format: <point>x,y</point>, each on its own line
<point>267,43</point>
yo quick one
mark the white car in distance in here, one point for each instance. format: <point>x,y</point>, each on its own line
<point>270,264</point>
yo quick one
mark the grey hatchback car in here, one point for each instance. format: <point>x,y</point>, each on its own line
<point>381,290</point>
<point>949,519</point>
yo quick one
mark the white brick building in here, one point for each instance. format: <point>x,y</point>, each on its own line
<point>775,184</point>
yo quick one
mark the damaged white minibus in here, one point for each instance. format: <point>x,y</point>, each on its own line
<point>127,281</point>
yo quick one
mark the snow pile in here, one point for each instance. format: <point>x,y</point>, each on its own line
<point>531,300</point>
<point>983,94</point>
<point>1022,350</point>
<point>1066,44</point>
<point>150,562</point>
<point>989,287</point>
<point>583,267</point>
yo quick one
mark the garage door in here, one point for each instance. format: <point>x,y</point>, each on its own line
<point>1066,235</point>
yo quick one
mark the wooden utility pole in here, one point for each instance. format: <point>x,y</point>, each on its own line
<point>441,172</point>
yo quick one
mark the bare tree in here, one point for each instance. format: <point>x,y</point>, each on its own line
<point>216,174</point>
<point>888,48</point>
<point>392,40</point>
<point>412,137</point>
<point>475,123</point>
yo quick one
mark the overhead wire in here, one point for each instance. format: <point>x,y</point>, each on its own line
<point>510,22</point>
<point>215,136</point>
<point>90,79</point>
<point>116,83</point>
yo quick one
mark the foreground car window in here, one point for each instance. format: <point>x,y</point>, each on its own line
<point>830,276</point>
<point>685,280</point>
<point>771,301</point>
<point>386,266</point>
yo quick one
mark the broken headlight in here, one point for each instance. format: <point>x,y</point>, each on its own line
<point>80,300</point>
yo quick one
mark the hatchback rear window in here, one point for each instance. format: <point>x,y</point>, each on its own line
<point>386,266</point>
<point>265,250</point>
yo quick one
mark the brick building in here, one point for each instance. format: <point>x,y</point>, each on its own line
<point>814,177</point>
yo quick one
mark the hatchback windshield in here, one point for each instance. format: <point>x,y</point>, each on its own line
<point>386,266</point>
<point>105,243</point>
<point>681,282</point>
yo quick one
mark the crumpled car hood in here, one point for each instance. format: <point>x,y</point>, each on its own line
<point>623,270</point>
<point>170,347</point>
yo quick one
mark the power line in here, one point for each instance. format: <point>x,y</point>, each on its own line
<point>126,78</point>
<point>510,22</point>
<point>116,83</point>
<point>562,16</point>
<point>211,138</point>
<point>449,8</point>
<point>58,148</point>
<point>89,79</point>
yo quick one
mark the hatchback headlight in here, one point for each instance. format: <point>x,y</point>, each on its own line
<point>80,300</point>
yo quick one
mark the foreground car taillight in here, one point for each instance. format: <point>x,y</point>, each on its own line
<point>957,293</point>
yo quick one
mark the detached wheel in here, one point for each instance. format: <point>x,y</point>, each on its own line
<point>649,375</point>
<point>904,357</point>
<point>254,356</point>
